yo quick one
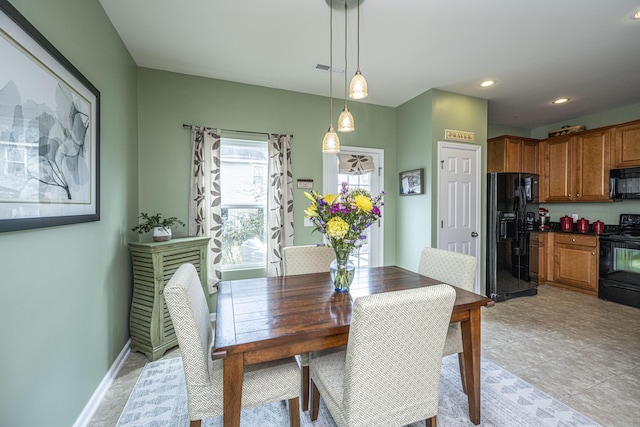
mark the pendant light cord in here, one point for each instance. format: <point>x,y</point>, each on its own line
<point>358,35</point>
<point>331,65</point>
<point>345,54</point>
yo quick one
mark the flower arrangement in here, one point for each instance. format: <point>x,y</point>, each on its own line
<point>343,218</point>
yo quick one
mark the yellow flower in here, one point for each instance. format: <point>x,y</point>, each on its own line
<point>337,227</point>
<point>329,198</point>
<point>310,197</point>
<point>363,203</point>
<point>311,211</point>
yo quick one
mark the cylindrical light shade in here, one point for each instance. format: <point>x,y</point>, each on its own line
<point>331,142</point>
<point>345,121</point>
<point>358,86</point>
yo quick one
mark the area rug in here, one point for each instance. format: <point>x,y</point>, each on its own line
<point>159,398</point>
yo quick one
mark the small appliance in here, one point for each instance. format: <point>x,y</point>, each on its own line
<point>624,183</point>
<point>543,219</point>
<point>583,225</point>
<point>566,223</point>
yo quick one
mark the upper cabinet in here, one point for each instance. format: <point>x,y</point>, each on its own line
<point>512,154</point>
<point>575,168</point>
<point>625,146</point>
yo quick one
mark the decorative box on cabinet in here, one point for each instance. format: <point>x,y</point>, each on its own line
<point>153,265</point>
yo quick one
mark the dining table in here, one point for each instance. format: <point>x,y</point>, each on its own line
<point>270,318</point>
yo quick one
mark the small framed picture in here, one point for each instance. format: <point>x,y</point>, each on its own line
<point>412,182</point>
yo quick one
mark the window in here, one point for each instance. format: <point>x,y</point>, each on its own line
<point>243,192</point>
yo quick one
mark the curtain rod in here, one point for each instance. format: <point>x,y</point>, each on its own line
<point>233,130</point>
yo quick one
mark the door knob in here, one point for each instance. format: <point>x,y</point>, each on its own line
<point>474,234</point>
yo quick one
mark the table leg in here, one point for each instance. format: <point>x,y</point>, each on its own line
<point>232,389</point>
<point>471,359</point>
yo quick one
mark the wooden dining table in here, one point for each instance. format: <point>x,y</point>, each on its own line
<point>271,318</point>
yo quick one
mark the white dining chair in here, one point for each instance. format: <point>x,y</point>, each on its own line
<point>306,259</point>
<point>263,383</point>
<point>454,269</point>
<point>390,371</point>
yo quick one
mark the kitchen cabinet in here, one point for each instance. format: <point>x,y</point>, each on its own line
<point>538,256</point>
<point>154,263</point>
<point>576,167</point>
<point>576,262</point>
<point>625,145</point>
<point>512,154</point>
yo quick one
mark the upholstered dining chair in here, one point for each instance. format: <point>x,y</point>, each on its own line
<point>454,269</point>
<point>263,383</point>
<point>390,371</point>
<point>302,260</point>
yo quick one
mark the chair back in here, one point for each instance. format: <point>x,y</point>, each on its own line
<point>394,355</point>
<point>192,323</point>
<point>449,267</point>
<point>307,259</point>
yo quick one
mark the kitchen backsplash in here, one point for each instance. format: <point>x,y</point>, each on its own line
<point>609,213</point>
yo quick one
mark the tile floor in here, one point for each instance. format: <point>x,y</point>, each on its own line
<point>579,349</point>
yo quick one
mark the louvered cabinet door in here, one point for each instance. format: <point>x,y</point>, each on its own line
<point>154,263</point>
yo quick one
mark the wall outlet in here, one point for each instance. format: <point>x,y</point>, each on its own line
<point>574,216</point>
<point>308,222</point>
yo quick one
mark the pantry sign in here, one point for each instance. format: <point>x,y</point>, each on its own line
<point>459,135</point>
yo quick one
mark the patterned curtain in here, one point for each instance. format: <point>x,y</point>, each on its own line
<point>204,198</point>
<point>279,202</point>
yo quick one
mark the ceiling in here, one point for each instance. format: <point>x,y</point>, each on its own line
<point>537,51</point>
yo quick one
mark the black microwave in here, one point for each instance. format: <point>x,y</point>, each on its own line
<point>624,184</point>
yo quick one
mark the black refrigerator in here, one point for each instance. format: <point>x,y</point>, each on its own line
<point>512,204</point>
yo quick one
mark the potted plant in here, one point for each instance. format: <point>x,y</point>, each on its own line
<point>161,226</point>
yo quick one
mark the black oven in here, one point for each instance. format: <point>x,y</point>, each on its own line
<point>620,269</point>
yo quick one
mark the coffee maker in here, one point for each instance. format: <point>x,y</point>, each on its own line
<point>543,219</point>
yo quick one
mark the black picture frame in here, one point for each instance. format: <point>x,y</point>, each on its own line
<point>412,182</point>
<point>49,132</point>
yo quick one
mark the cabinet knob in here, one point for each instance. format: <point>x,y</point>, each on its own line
<point>593,253</point>
<point>573,240</point>
<point>578,195</point>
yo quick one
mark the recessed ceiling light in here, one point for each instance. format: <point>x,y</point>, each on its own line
<point>636,15</point>
<point>488,83</point>
<point>561,100</point>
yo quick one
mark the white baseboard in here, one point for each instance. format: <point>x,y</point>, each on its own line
<point>93,403</point>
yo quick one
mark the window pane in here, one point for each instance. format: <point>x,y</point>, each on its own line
<point>243,179</point>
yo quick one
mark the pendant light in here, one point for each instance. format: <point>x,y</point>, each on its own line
<point>345,121</point>
<point>358,87</point>
<point>331,142</point>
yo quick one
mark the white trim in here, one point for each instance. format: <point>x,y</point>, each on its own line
<point>92,405</point>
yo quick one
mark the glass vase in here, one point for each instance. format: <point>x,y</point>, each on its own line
<point>342,270</point>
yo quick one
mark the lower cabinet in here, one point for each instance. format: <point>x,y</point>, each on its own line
<point>538,256</point>
<point>576,262</point>
<point>154,263</point>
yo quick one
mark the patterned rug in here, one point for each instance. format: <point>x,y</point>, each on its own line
<point>159,398</point>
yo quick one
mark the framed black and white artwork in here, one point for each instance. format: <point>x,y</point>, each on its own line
<point>49,132</point>
<point>412,182</point>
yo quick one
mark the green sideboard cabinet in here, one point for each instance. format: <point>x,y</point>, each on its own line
<point>154,263</point>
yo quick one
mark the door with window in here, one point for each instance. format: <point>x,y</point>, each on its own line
<point>360,168</point>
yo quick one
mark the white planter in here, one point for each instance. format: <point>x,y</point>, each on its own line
<point>161,234</point>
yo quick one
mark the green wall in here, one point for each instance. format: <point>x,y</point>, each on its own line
<point>167,100</point>
<point>66,290</point>
<point>421,124</point>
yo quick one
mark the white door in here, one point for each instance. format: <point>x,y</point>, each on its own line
<point>372,252</point>
<point>459,200</point>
